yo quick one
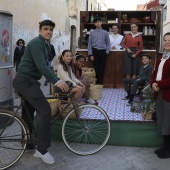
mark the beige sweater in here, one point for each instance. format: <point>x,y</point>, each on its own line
<point>63,75</point>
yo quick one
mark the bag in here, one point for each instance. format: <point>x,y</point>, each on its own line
<point>149,115</point>
<point>88,72</point>
<point>62,105</point>
<point>54,104</point>
<point>95,91</point>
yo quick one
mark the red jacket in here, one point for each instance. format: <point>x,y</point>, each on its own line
<point>129,42</point>
<point>164,84</point>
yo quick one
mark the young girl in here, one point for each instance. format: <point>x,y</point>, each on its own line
<point>133,44</point>
<point>79,63</point>
<point>65,73</point>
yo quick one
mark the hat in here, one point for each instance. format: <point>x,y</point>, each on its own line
<point>97,19</point>
<point>147,55</point>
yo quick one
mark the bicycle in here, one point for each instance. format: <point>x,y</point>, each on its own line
<point>85,130</point>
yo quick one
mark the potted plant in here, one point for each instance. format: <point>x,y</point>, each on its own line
<point>145,104</point>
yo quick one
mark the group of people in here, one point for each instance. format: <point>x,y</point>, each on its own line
<point>100,43</point>
<point>33,66</point>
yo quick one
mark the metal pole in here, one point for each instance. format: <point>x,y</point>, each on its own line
<point>161,35</point>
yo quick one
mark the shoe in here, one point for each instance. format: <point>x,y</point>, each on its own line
<point>45,84</point>
<point>96,103</point>
<point>47,158</point>
<point>126,98</point>
<point>129,104</point>
<point>164,154</point>
<point>158,151</point>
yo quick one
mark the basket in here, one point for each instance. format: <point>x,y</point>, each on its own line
<point>92,80</point>
<point>147,115</point>
<point>95,91</point>
<point>69,108</point>
<point>88,72</point>
<point>54,104</point>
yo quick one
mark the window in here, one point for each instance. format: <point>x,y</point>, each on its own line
<point>164,12</point>
<point>87,5</point>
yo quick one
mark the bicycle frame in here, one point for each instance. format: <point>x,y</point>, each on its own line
<point>73,103</point>
<point>18,107</point>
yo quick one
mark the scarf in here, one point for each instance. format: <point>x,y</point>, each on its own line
<point>165,55</point>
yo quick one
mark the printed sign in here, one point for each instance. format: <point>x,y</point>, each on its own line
<point>5,40</point>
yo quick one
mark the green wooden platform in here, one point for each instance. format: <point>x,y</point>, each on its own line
<point>125,133</point>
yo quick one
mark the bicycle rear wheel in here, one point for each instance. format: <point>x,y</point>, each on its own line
<point>13,138</point>
<point>88,134</point>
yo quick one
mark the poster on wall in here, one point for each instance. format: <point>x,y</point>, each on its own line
<point>5,39</point>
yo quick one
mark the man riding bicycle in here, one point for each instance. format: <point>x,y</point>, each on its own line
<point>32,67</point>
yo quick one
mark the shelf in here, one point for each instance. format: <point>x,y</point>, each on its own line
<point>125,26</point>
<point>102,23</point>
<point>138,23</point>
<point>148,35</point>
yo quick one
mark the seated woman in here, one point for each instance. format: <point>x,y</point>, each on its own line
<point>79,63</point>
<point>65,73</point>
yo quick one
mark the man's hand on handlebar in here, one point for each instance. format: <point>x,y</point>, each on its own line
<point>63,86</point>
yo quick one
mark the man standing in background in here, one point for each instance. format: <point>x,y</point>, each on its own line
<point>98,48</point>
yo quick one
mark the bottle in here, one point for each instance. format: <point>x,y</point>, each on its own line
<point>153,32</point>
<point>92,18</point>
<point>105,18</point>
<point>146,30</point>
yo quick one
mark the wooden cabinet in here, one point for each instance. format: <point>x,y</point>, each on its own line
<point>146,20</point>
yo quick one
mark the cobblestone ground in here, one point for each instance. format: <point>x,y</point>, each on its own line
<point>109,158</point>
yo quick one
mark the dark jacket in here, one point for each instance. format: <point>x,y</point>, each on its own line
<point>164,84</point>
<point>145,73</point>
<point>52,53</point>
<point>77,71</point>
<point>35,59</point>
<point>18,53</point>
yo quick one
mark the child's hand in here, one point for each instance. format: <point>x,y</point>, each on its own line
<point>92,58</point>
<point>81,84</point>
<point>128,50</point>
<point>133,55</point>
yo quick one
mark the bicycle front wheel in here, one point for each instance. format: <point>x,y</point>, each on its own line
<point>88,133</point>
<point>13,138</point>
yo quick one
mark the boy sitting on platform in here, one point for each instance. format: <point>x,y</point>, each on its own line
<point>141,79</point>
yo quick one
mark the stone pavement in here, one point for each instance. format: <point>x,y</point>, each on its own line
<point>109,158</point>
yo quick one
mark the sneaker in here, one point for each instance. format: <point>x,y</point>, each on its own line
<point>94,103</point>
<point>129,104</point>
<point>47,158</point>
<point>126,98</point>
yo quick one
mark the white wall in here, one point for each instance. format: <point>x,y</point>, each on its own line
<point>166,23</point>
<point>28,13</point>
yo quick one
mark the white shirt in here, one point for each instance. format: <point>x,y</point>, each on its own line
<point>115,41</point>
<point>160,68</point>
